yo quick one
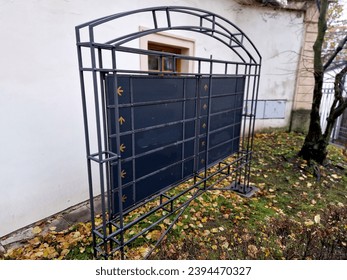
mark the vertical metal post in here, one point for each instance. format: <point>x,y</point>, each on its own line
<point>197,127</point>
<point>254,110</point>
<point>208,119</point>
<point>133,136</point>
<point>119,164</point>
<point>86,137</point>
<point>105,136</point>
<point>99,140</point>
<point>183,126</point>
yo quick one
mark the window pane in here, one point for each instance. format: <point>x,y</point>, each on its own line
<point>168,64</point>
<point>153,62</point>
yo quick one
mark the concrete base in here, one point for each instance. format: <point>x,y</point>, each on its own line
<point>300,121</point>
<point>60,221</point>
<point>240,189</point>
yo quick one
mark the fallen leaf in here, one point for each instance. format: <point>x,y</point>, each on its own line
<point>252,251</point>
<point>34,242</point>
<point>144,251</point>
<point>309,223</point>
<point>37,230</point>
<point>38,254</point>
<point>64,252</point>
<point>180,224</point>
<point>153,235</point>
<point>317,219</point>
<point>225,245</point>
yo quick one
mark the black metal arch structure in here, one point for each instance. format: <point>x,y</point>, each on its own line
<point>147,132</point>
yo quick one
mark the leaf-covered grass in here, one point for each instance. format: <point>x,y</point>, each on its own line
<point>300,212</point>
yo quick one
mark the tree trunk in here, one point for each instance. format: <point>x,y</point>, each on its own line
<point>315,145</point>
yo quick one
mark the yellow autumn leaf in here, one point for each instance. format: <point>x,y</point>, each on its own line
<point>267,252</point>
<point>225,245</point>
<point>64,252</point>
<point>214,230</point>
<point>144,251</point>
<point>153,235</point>
<point>37,230</point>
<point>38,254</point>
<point>214,247</point>
<point>65,245</point>
<point>309,223</point>
<point>34,242</point>
<point>317,219</point>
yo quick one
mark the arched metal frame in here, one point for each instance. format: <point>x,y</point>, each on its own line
<point>109,234</point>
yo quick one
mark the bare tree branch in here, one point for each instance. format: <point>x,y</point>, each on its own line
<point>339,100</point>
<point>336,52</point>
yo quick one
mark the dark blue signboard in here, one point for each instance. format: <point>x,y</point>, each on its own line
<point>170,129</point>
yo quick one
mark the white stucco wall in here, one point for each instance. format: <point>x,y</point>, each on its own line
<point>42,162</point>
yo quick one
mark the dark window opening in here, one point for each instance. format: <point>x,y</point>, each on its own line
<point>165,62</point>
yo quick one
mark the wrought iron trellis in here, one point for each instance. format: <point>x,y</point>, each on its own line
<point>102,86</point>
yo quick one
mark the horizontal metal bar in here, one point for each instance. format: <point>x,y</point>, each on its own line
<point>151,103</point>
<point>203,179</point>
<point>153,127</point>
<point>152,211</point>
<point>161,170</point>
<point>156,150</point>
<point>161,73</point>
<point>180,56</point>
<point>169,101</point>
<point>199,191</point>
<point>96,157</point>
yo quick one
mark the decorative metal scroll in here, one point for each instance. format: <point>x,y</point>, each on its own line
<point>153,131</point>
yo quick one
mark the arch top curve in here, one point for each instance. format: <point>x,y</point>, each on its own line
<point>164,18</point>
